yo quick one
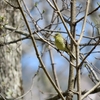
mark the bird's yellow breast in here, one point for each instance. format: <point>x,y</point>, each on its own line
<point>59,42</point>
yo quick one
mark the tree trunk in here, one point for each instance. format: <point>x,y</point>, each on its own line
<point>10,55</point>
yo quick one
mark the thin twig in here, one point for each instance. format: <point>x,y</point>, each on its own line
<point>14,41</point>
<point>51,57</point>
<point>89,67</point>
<point>84,22</point>
<point>48,30</point>
<point>51,4</point>
<point>11,28</point>
<point>30,87</point>
<point>87,93</point>
<point>53,68</point>
<point>89,53</point>
<point>88,14</point>
<point>11,4</point>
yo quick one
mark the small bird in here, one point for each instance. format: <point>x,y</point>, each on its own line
<point>61,44</point>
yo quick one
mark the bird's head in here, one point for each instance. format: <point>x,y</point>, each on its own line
<point>57,35</point>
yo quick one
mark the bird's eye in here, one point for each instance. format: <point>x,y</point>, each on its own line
<point>56,35</point>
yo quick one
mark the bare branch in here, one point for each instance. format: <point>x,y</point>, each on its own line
<point>61,17</point>
<point>87,93</point>
<point>84,22</point>
<point>38,56</point>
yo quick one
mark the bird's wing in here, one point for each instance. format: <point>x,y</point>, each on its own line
<point>68,50</point>
<point>67,45</point>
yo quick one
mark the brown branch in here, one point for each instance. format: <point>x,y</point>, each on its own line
<point>11,5</point>
<point>91,90</point>
<point>84,22</point>
<point>38,56</point>
<point>53,68</point>
<point>82,93</point>
<point>15,41</point>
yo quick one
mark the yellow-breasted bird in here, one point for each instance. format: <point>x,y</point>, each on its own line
<point>61,44</point>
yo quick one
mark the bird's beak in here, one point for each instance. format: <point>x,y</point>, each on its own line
<point>53,35</point>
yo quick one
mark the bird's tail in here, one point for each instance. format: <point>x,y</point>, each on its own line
<point>68,50</point>
<point>71,54</point>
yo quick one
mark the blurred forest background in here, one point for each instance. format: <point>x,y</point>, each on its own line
<point>42,13</point>
<point>48,73</point>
